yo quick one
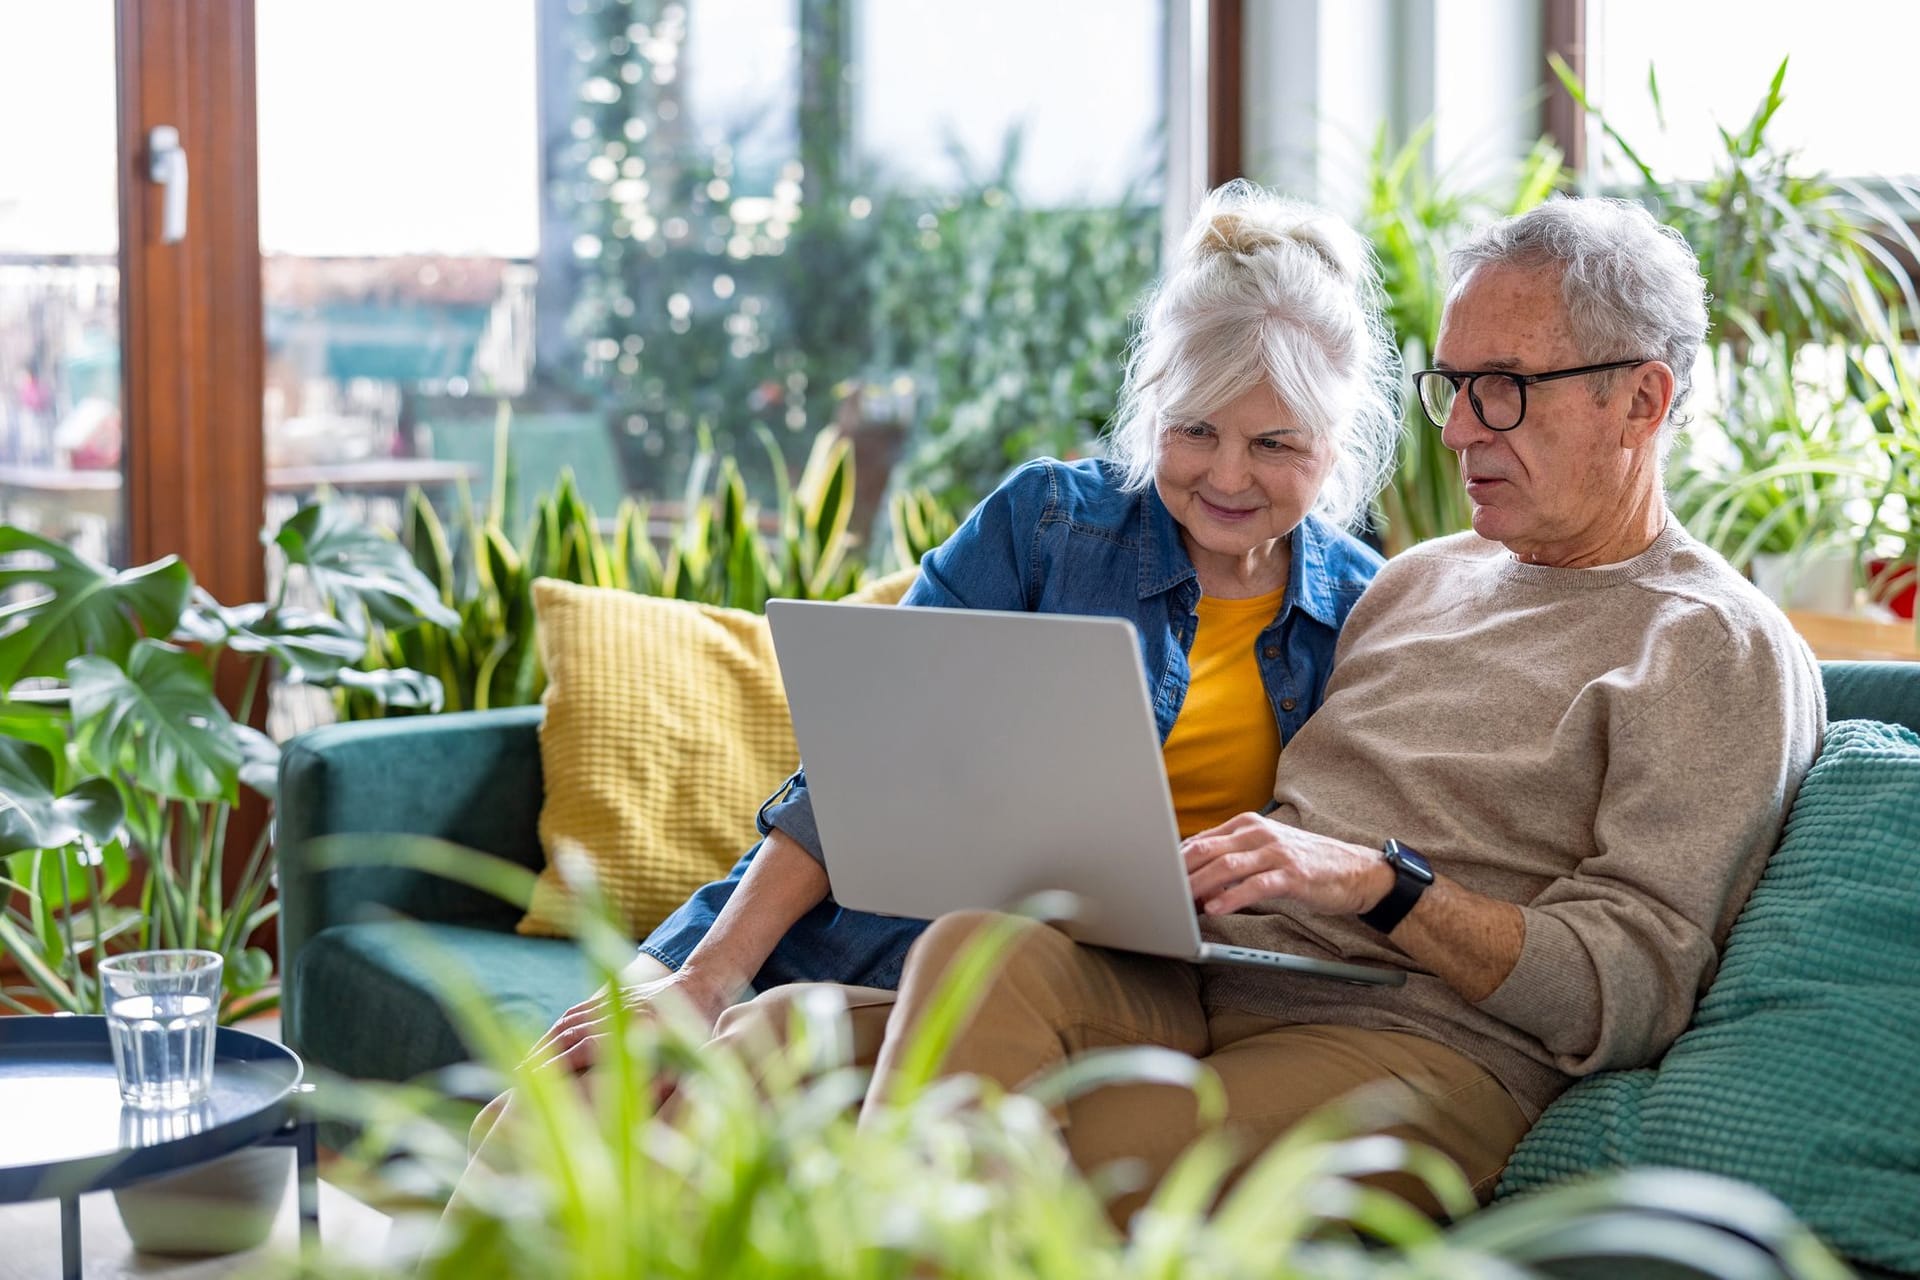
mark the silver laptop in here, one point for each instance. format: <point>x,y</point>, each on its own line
<point>966,759</point>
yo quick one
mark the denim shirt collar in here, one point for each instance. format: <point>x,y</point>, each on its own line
<point>1164,563</point>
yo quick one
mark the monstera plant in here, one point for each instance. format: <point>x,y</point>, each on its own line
<point>120,766</point>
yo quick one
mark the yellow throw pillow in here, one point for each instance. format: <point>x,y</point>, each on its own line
<point>666,727</point>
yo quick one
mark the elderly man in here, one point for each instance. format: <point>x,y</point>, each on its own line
<point>1553,757</point>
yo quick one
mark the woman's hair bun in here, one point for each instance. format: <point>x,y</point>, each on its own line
<point>1242,220</point>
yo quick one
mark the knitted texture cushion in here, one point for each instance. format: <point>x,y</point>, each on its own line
<point>1798,1071</point>
<point>666,727</point>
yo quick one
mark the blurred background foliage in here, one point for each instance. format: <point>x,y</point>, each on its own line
<point>981,327</point>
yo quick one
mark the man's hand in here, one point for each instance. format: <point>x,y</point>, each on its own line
<point>1249,859</point>
<point>580,1034</point>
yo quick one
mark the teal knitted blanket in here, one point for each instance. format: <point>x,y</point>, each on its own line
<point>1801,1071</point>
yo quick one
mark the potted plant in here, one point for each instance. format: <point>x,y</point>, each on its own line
<point>120,767</point>
<point>1782,480</point>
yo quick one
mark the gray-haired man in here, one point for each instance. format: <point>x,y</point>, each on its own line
<point>1576,729</point>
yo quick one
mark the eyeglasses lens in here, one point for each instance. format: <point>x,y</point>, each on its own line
<point>1497,397</point>
<point>1436,396</point>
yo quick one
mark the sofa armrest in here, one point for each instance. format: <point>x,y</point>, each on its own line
<point>470,777</point>
<point>1887,691</point>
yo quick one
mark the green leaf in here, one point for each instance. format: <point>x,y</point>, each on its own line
<point>247,971</point>
<point>44,723</point>
<point>32,962</point>
<point>63,877</point>
<point>33,815</point>
<point>427,542</point>
<point>86,608</point>
<point>300,640</point>
<point>359,570</point>
<point>158,721</point>
<point>259,761</point>
<point>398,688</point>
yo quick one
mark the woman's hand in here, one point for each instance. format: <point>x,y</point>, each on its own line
<point>1249,859</point>
<point>580,1034</point>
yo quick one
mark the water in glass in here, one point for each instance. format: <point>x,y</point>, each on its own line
<point>162,1048</point>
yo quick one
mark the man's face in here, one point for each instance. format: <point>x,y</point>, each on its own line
<point>1559,484</point>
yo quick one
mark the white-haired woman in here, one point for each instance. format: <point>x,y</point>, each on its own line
<point>1260,415</point>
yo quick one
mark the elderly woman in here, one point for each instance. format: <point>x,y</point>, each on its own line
<point>1258,418</point>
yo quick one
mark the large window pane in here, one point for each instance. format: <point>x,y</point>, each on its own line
<point>647,224</point>
<point>1846,87</point>
<point>61,435</point>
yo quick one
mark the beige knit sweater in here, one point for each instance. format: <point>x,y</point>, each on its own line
<point>1612,749</point>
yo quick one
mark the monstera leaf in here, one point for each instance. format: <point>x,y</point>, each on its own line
<point>300,640</point>
<point>397,688</point>
<point>157,721</point>
<point>360,569</point>
<point>259,761</point>
<point>34,815</point>
<point>81,607</point>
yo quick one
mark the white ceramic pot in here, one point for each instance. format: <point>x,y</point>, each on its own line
<point>222,1206</point>
<point>1821,581</point>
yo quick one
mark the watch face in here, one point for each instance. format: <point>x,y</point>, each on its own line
<point>1411,861</point>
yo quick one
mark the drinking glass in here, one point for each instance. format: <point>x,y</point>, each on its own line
<point>160,1018</point>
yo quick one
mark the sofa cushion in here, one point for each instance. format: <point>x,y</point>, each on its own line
<point>666,728</point>
<point>373,997</point>
<point>1797,1073</point>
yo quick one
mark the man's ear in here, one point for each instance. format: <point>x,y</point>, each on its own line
<point>1649,395</point>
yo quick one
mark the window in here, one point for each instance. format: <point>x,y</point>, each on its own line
<point>1846,87</point>
<point>643,224</point>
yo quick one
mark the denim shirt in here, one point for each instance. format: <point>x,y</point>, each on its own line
<point>1056,537</point>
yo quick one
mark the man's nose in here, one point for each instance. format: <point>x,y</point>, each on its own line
<point>1463,427</point>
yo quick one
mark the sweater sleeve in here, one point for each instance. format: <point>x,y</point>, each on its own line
<point>1699,778</point>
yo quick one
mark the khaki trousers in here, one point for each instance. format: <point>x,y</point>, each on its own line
<point>1051,998</point>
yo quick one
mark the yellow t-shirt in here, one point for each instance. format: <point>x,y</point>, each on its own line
<point>1225,745</point>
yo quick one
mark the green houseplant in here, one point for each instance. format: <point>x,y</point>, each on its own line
<point>117,755</point>
<point>720,550</point>
<point>1800,450</point>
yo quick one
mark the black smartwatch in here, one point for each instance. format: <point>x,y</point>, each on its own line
<point>1411,876</point>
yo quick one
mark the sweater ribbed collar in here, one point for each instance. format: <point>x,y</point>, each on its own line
<point>1574,581</point>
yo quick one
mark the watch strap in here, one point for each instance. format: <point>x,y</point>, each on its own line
<point>1408,885</point>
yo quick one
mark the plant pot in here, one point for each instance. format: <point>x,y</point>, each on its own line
<point>1892,583</point>
<point>1821,581</point>
<point>223,1206</point>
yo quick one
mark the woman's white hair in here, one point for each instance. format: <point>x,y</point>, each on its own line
<point>1273,291</point>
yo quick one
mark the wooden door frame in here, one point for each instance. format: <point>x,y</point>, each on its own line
<point>1564,31</point>
<point>192,343</point>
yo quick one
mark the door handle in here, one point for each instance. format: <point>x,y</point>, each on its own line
<point>167,166</point>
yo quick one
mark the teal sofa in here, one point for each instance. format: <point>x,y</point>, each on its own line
<point>358,994</point>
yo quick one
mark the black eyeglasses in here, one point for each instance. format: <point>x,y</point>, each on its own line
<point>1499,400</point>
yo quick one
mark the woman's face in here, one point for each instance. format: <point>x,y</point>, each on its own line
<point>1240,479</point>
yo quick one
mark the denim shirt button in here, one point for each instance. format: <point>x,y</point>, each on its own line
<point>1287,704</point>
<point>1271,652</point>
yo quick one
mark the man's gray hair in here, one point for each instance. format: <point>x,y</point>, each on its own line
<point>1632,287</point>
<point>1268,290</point>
